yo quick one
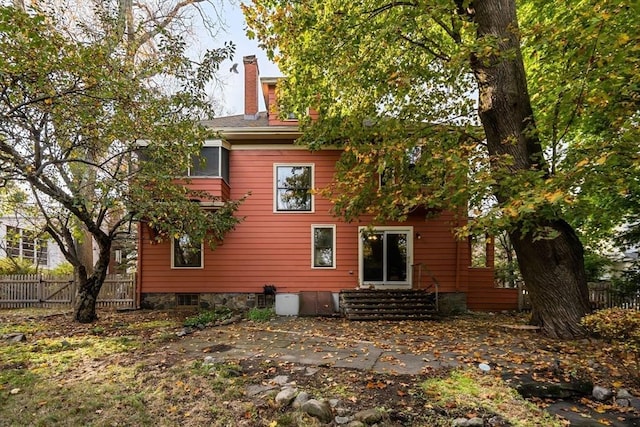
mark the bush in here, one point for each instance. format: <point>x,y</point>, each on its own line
<point>261,314</point>
<point>16,266</point>
<point>628,283</point>
<point>595,265</point>
<point>64,269</point>
<point>210,316</point>
<point>618,326</point>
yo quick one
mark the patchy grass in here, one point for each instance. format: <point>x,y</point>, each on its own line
<point>119,371</point>
<point>470,392</point>
<point>207,317</point>
<point>70,374</point>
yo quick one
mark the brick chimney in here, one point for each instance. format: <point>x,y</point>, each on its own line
<point>251,84</point>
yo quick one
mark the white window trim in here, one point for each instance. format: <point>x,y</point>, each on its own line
<point>22,243</point>
<point>313,246</point>
<point>409,230</point>
<point>173,266</point>
<point>211,143</point>
<point>275,187</point>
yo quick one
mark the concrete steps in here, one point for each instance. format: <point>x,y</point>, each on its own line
<point>394,304</point>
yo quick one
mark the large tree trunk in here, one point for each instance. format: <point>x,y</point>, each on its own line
<point>89,285</point>
<point>553,270</point>
<point>553,267</point>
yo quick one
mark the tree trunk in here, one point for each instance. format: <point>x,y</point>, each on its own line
<point>86,297</point>
<point>89,285</point>
<point>552,268</point>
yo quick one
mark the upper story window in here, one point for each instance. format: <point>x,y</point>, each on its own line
<point>293,185</point>
<point>25,244</point>
<point>186,253</point>
<point>212,162</point>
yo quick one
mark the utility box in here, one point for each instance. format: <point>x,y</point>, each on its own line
<point>287,304</point>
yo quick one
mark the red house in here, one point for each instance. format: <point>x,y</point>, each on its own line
<point>291,241</point>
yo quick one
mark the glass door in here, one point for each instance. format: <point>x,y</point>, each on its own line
<point>385,256</point>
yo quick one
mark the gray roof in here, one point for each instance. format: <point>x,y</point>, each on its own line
<point>237,121</point>
<point>237,128</point>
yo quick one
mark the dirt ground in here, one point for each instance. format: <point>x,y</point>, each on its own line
<point>171,383</point>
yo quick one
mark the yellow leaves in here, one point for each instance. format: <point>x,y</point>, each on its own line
<point>582,163</point>
<point>554,197</point>
<point>273,424</point>
<point>623,39</point>
<point>510,211</point>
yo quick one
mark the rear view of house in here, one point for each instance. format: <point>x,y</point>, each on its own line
<point>290,241</point>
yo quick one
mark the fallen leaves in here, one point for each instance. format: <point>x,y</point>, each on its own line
<point>376,385</point>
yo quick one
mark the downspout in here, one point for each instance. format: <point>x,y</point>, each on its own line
<point>139,265</point>
<point>457,281</point>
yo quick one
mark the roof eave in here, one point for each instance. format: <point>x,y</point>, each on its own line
<point>271,132</point>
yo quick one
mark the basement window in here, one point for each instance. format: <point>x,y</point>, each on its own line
<point>187,300</point>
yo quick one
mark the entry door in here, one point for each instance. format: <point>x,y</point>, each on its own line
<point>385,256</point>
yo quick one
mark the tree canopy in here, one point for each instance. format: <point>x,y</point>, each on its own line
<point>399,72</point>
<point>78,116</point>
<point>522,117</point>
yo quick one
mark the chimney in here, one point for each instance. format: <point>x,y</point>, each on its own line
<point>251,75</point>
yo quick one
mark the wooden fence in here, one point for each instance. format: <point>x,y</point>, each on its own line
<point>37,290</point>
<point>601,295</point>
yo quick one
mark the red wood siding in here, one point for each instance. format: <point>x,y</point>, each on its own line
<point>482,294</point>
<point>275,248</point>
<point>216,186</point>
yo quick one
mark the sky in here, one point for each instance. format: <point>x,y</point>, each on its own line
<point>231,95</point>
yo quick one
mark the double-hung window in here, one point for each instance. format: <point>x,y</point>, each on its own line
<point>293,188</point>
<point>323,250</point>
<point>186,252</point>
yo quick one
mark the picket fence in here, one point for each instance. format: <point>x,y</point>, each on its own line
<point>38,290</point>
<point>601,295</point>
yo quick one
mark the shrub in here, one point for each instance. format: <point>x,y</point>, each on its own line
<point>261,314</point>
<point>616,325</point>
<point>64,269</point>
<point>628,283</point>
<point>16,266</point>
<point>210,316</point>
<point>595,265</point>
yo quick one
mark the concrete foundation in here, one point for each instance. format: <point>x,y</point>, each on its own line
<point>235,301</point>
<point>452,303</point>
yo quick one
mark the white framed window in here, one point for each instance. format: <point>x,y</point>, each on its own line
<point>25,244</point>
<point>323,246</point>
<point>213,161</point>
<point>293,184</point>
<point>186,253</point>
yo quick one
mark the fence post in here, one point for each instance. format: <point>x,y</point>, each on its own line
<point>73,287</point>
<point>520,297</point>
<point>40,289</point>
